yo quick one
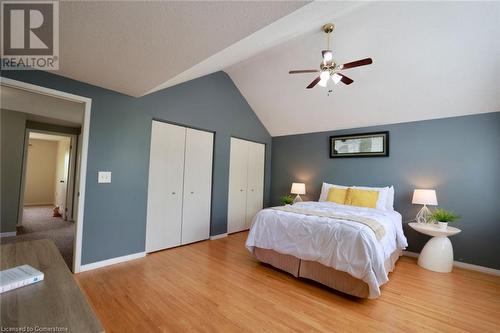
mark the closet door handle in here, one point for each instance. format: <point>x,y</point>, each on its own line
<point>173,193</point>
<point>192,192</point>
<point>241,190</point>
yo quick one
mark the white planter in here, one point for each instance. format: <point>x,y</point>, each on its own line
<point>442,225</point>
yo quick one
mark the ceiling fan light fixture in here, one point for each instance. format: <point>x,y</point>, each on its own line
<point>327,55</point>
<point>324,76</point>
<point>336,78</point>
<point>328,67</point>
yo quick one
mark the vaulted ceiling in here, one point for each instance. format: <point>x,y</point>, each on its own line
<point>431,59</point>
<point>135,46</point>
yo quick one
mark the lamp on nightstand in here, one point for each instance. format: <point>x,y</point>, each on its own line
<point>424,197</point>
<point>298,188</point>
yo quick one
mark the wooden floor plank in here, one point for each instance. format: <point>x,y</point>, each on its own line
<point>218,286</point>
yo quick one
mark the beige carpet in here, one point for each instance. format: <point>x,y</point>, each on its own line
<point>38,223</point>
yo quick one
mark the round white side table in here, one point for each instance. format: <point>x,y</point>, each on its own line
<point>437,254</point>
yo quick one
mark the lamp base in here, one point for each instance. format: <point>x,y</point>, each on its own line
<point>297,199</point>
<point>423,216</point>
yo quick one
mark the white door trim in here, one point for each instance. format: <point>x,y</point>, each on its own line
<point>71,172</point>
<point>77,253</point>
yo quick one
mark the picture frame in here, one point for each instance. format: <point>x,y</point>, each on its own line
<point>373,144</point>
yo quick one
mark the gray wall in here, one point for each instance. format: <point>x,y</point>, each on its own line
<point>12,150</point>
<point>459,157</point>
<point>120,129</point>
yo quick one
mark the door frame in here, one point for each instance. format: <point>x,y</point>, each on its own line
<point>87,103</point>
<point>70,185</point>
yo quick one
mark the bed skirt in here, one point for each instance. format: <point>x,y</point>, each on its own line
<point>315,271</point>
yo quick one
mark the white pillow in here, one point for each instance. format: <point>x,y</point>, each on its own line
<point>325,188</point>
<point>383,194</point>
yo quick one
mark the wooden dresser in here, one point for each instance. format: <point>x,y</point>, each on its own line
<point>54,305</point>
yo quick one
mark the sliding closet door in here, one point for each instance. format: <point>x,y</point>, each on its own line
<point>237,198</point>
<point>255,188</point>
<point>197,186</point>
<point>166,173</point>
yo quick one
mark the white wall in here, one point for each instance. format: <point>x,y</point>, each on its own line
<point>41,172</point>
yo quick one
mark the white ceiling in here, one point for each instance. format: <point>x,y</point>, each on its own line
<point>431,60</point>
<point>42,108</point>
<point>135,47</point>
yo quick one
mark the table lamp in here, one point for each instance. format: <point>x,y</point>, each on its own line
<point>298,188</point>
<point>424,197</point>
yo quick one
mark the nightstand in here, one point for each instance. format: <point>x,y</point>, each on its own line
<point>437,254</point>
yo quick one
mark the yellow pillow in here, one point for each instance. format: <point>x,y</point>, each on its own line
<point>361,198</point>
<point>337,195</point>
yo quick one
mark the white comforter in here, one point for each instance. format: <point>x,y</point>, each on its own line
<point>344,245</point>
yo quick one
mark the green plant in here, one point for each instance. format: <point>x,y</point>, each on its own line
<point>286,199</point>
<point>443,215</point>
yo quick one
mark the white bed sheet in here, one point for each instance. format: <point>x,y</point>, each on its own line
<point>344,245</point>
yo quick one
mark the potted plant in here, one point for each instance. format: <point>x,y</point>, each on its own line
<point>443,217</point>
<point>286,200</point>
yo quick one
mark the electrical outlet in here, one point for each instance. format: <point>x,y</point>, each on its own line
<point>104,177</point>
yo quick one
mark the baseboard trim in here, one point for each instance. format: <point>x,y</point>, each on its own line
<point>218,236</point>
<point>464,265</point>
<point>8,234</point>
<point>112,261</point>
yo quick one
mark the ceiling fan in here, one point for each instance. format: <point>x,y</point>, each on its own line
<point>328,67</point>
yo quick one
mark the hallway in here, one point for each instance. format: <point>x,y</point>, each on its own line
<point>38,223</point>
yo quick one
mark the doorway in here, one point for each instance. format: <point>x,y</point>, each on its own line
<point>22,105</point>
<point>47,188</point>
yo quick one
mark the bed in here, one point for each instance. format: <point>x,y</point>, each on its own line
<point>351,249</point>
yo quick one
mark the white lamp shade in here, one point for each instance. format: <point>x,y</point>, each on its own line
<point>424,197</point>
<point>298,188</point>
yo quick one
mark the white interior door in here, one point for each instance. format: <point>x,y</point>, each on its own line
<point>197,186</point>
<point>62,176</point>
<point>255,188</point>
<point>166,173</point>
<point>238,164</point>
<point>71,179</point>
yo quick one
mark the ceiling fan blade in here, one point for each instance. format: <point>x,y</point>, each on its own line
<point>345,80</point>
<point>315,82</point>
<point>357,63</point>
<point>300,71</point>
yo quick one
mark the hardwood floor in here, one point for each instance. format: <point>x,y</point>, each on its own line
<point>218,286</point>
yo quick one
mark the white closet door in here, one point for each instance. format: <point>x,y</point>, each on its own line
<point>166,172</point>
<point>197,186</point>
<point>255,188</point>
<point>237,197</point>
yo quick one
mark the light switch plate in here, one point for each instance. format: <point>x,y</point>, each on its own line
<point>104,177</point>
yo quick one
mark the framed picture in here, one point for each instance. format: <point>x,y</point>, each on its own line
<point>374,144</point>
